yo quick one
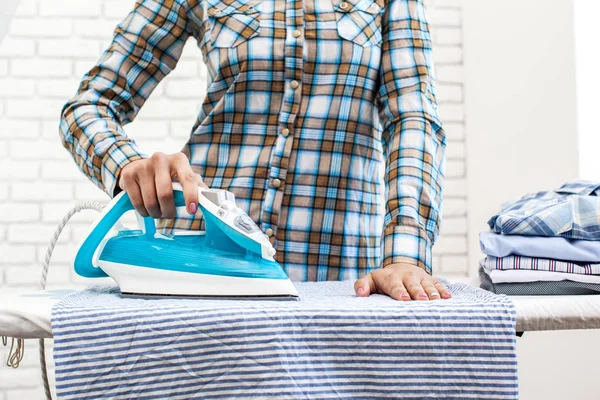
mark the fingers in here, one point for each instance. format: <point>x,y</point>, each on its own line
<point>135,196</point>
<point>391,283</point>
<point>201,182</point>
<point>164,186</point>
<point>148,183</point>
<point>442,290</point>
<point>414,287</point>
<point>399,292</point>
<point>382,281</point>
<point>402,282</point>
<point>429,287</point>
<point>180,167</point>
<point>364,286</point>
<point>148,189</point>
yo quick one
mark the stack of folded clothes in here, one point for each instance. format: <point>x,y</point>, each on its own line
<point>546,243</point>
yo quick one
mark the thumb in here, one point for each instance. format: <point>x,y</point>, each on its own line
<point>365,286</point>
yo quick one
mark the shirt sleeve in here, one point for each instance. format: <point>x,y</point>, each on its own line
<point>413,139</point>
<point>145,47</point>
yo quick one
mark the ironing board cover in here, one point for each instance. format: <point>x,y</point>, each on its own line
<point>330,344</point>
<point>26,314</point>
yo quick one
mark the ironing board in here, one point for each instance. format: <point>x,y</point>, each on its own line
<point>26,315</point>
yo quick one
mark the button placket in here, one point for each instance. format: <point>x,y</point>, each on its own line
<point>293,61</point>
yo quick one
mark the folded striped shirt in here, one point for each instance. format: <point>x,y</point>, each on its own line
<point>543,264</point>
<point>572,211</point>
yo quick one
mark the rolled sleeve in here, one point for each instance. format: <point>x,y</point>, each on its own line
<point>118,155</point>
<point>146,47</point>
<point>413,139</point>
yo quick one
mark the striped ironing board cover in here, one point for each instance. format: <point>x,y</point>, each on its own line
<point>329,345</point>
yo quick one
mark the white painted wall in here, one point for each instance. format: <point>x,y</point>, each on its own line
<point>587,34</point>
<point>521,116</point>
<point>6,13</point>
<point>559,365</point>
<point>521,124</point>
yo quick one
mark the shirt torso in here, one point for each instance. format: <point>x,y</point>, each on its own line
<point>304,102</point>
<point>289,125</point>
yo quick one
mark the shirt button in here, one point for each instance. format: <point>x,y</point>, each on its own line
<point>276,183</point>
<point>294,84</point>
<point>269,232</point>
<point>344,5</point>
<point>296,33</point>
<point>285,132</point>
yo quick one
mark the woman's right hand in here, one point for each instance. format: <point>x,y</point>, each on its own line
<point>149,184</point>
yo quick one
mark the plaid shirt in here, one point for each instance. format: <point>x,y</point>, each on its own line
<point>320,116</point>
<point>572,212</point>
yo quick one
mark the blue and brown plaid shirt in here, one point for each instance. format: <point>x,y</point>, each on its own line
<point>320,116</point>
<point>571,211</point>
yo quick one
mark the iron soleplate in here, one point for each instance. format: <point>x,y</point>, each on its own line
<point>150,296</point>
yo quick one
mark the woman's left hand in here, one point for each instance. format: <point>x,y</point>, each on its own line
<point>402,282</point>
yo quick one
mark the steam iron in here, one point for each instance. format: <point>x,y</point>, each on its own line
<point>232,259</point>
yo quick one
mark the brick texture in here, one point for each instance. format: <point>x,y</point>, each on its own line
<point>50,45</point>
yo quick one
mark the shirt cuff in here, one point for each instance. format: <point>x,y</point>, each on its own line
<point>118,155</point>
<point>407,244</point>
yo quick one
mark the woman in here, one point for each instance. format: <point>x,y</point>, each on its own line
<point>320,116</point>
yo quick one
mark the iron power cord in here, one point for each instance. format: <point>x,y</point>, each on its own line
<point>17,347</point>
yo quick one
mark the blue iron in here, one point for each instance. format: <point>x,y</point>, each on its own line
<point>232,259</point>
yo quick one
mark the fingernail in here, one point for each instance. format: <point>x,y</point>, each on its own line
<point>360,291</point>
<point>192,208</point>
<point>423,296</point>
<point>435,295</point>
<point>405,296</point>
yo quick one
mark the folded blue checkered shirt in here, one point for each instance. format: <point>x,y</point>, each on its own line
<point>572,211</point>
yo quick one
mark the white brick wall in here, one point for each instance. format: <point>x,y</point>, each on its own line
<point>51,44</point>
<point>445,17</point>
